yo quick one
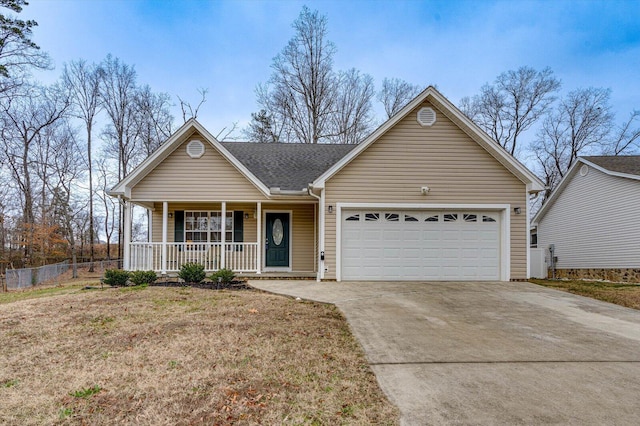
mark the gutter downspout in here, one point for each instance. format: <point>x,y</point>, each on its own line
<point>320,198</point>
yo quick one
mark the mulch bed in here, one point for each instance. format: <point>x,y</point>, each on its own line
<point>209,285</point>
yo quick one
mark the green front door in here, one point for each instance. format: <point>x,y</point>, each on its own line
<point>277,241</point>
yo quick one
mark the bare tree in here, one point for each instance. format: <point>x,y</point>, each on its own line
<point>118,89</point>
<point>581,122</point>
<point>83,81</point>
<point>353,117</point>
<point>512,104</point>
<point>68,167</point>
<point>110,206</point>
<point>24,118</point>
<point>627,138</point>
<point>153,117</point>
<point>395,94</point>
<point>303,84</point>
<point>189,111</point>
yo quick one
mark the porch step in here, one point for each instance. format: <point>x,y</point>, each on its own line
<point>277,276</point>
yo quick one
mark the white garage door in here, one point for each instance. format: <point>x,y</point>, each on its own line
<point>420,245</point>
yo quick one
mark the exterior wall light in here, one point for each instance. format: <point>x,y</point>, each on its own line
<point>330,209</point>
<point>517,210</point>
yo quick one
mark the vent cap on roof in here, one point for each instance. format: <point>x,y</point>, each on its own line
<point>195,149</point>
<point>426,116</point>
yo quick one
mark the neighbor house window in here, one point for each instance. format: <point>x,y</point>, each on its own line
<point>206,226</point>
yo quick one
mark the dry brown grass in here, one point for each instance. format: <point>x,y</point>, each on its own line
<point>624,294</point>
<point>182,356</point>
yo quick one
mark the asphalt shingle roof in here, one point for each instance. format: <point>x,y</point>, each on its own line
<point>629,164</point>
<point>288,166</point>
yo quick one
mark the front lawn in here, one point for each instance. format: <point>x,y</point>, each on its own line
<point>181,356</point>
<point>624,294</point>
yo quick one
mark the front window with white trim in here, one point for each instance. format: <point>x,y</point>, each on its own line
<point>206,226</point>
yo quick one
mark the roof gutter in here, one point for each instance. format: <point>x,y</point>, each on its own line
<point>288,192</point>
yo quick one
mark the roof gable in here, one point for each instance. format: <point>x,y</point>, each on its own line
<point>434,97</point>
<point>627,167</point>
<point>123,188</point>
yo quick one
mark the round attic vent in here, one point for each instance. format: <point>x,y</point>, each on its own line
<point>584,170</point>
<point>426,116</point>
<point>195,149</point>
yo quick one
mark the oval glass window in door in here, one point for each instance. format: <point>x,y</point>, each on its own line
<point>277,232</point>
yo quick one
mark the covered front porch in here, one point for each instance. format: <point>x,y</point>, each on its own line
<point>221,235</point>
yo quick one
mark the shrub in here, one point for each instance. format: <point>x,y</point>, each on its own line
<point>225,275</point>
<point>192,272</point>
<point>116,277</point>
<point>143,277</point>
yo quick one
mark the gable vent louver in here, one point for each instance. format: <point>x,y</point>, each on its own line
<point>426,116</point>
<point>195,149</point>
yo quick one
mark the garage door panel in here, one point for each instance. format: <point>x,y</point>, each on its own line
<point>396,248</point>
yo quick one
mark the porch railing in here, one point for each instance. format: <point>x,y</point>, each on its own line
<point>239,257</point>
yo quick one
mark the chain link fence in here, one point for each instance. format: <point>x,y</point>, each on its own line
<point>17,279</point>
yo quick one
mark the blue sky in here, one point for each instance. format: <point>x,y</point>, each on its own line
<point>227,46</point>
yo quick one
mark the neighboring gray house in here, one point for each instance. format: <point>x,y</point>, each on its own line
<point>592,220</point>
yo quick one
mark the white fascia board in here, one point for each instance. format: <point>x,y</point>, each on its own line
<point>151,162</point>
<point>607,171</point>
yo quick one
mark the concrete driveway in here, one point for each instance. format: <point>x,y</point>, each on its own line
<point>491,353</point>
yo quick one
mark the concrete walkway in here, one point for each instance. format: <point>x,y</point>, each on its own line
<point>491,353</point>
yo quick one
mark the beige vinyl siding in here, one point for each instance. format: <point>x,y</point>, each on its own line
<point>594,222</point>
<point>455,168</point>
<point>182,178</point>
<point>303,227</point>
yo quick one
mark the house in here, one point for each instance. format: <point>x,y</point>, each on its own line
<point>427,196</point>
<point>591,220</point>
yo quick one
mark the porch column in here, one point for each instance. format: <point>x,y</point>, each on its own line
<point>223,235</point>
<point>126,252</point>
<point>259,237</point>
<point>165,227</point>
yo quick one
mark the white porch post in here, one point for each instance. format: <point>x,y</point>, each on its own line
<point>223,235</point>
<point>127,236</point>
<point>165,227</point>
<point>259,237</point>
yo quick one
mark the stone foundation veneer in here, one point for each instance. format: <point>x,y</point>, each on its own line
<point>627,275</point>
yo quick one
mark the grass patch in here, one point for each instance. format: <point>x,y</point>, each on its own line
<point>242,357</point>
<point>86,392</point>
<point>624,294</point>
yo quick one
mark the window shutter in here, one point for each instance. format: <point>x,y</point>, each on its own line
<point>179,226</point>
<point>238,226</point>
